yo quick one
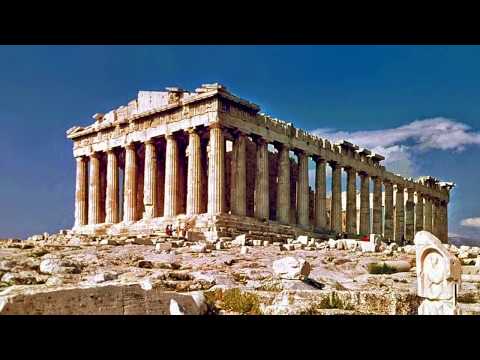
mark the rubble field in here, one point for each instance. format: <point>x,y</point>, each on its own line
<point>157,274</point>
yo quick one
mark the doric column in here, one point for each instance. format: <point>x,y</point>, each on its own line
<point>194,182</point>
<point>444,207</point>
<point>262,181</point>
<point>435,219</point>
<point>320,194</point>
<point>419,213</point>
<point>150,179</point>
<point>283,186</point>
<point>94,190</point>
<point>428,214</point>
<point>399,214</point>
<point>377,206</point>
<point>112,210</point>
<point>336,204</point>
<point>216,171</point>
<point>170,206</point>
<point>302,190</point>
<point>130,184</point>
<point>388,232</point>
<point>364,203</point>
<point>351,213</point>
<point>238,184</point>
<point>410,216</point>
<point>81,191</point>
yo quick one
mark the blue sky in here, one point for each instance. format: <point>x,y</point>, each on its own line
<point>419,104</point>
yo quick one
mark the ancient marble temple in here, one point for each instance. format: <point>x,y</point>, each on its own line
<point>209,162</point>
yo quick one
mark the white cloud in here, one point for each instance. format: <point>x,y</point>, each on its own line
<point>471,222</point>
<point>399,144</point>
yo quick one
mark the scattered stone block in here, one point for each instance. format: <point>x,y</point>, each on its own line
<point>367,246</point>
<point>143,241</point>
<point>352,244</point>
<point>108,242</point>
<point>332,244</point>
<point>199,248</point>
<point>291,268</point>
<point>145,264</point>
<point>240,240</point>
<point>160,247</point>
<point>244,250</point>
<point>178,243</point>
<point>303,239</point>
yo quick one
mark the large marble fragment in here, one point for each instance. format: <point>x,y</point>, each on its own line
<point>438,276</point>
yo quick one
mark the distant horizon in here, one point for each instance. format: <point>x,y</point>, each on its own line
<point>416,105</point>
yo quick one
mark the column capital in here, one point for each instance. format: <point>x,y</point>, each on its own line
<point>280,146</point>
<point>130,145</point>
<point>80,158</point>
<point>334,164</point>
<point>94,154</point>
<point>238,133</point>
<point>216,125</point>
<point>111,150</point>
<point>257,139</point>
<point>191,130</point>
<point>318,159</point>
<point>150,141</point>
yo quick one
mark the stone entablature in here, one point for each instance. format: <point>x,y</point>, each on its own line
<point>212,114</point>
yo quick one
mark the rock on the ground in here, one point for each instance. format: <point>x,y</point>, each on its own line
<point>291,268</point>
<point>367,246</point>
<point>240,240</point>
<point>199,248</point>
<point>302,239</point>
<point>160,247</point>
<point>244,250</point>
<point>53,265</point>
<point>175,308</point>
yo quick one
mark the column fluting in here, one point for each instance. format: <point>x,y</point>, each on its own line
<point>351,211</point>
<point>303,191</point>
<point>388,231</point>
<point>81,192</point>
<point>238,197</point>
<point>150,179</point>
<point>399,215</point>
<point>364,204</point>
<point>170,207</point>
<point>283,186</point>
<point>216,171</point>
<point>194,183</point>
<point>94,190</point>
<point>419,213</point>
<point>262,181</point>
<point>336,203</point>
<point>130,184</point>
<point>377,206</point>
<point>410,216</point>
<point>320,194</point>
<point>112,209</point>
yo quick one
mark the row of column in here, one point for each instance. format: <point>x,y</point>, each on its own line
<point>88,197</point>
<point>394,224</point>
<point>400,221</point>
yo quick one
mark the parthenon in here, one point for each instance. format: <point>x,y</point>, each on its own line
<point>210,161</point>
